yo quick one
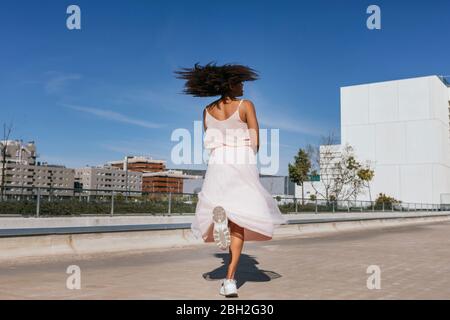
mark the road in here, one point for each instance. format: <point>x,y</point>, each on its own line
<point>414,263</point>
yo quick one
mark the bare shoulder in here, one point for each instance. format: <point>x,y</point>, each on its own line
<point>248,105</point>
<point>206,109</point>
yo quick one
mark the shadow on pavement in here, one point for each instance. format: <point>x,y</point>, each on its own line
<point>246,270</point>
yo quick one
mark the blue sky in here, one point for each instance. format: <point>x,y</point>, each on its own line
<point>93,95</point>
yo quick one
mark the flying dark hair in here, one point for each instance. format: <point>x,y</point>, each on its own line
<point>212,80</point>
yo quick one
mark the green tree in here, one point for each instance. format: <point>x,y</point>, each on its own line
<point>346,180</point>
<point>366,175</point>
<point>299,171</point>
<point>338,168</point>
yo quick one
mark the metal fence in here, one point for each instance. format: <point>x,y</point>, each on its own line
<point>330,206</point>
<point>38,202</point>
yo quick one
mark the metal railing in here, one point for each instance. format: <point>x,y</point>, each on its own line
<point>445,79</point>
<point>37,201</point>
<point>292,204</point>
<point>47,201</point>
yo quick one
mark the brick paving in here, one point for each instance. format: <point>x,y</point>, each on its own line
<point>414,263</point>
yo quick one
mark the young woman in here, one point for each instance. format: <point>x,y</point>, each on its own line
<point>232,206</point>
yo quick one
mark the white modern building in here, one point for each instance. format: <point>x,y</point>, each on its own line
<point>310,188</point>
<point>402,127</point>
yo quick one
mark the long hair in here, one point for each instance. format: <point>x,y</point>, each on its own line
<point>212,80</point>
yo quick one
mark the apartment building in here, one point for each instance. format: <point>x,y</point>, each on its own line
<point>155,178</point>
<point>103,180</point>
<point>165,181</point>
<point>139,164</point>
<point>23,176</point>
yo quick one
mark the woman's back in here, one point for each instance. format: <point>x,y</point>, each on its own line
<point>231,130</point>
<point>232,119</point>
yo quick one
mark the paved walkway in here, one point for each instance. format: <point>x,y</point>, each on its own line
<point>414,263</point>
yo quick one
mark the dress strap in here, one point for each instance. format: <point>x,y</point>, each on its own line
<point>239,106</point>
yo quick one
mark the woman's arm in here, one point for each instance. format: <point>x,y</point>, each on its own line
<point>252,124</point>
<point>204,119</point>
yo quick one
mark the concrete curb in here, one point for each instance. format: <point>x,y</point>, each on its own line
<point>121,220</point>
<point>14,248</point>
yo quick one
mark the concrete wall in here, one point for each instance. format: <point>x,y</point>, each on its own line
<point>70,245</point>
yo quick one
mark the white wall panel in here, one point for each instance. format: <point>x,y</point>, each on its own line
<point>423,141</point>
<point>386,180</point>
<point>442,146</point>
<point>416,183</point>
<point>383,102</point>
<point>362,139</point>
<point>441,179</point>
<point>355,105</point>
<point>390,143</point>
<point>413,99</point>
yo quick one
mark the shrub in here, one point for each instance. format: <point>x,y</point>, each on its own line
<point>382,198</point>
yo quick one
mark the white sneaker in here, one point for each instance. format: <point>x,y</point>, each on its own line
<point>228,288</point>
<point>221,231</point>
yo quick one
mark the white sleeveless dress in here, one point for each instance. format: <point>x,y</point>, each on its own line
<point>232,181</point>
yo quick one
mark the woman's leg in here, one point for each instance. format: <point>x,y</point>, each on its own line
<point>235,249</point>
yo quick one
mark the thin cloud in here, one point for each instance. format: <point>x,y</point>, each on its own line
<point>164,100</point>
<point>115,116</point>
<point>57,81</point>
